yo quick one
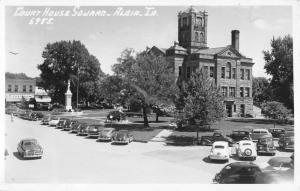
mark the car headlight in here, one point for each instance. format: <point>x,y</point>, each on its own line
<point>211,153</point>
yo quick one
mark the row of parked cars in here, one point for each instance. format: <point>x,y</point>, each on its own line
<point>98,131</point>
<point>248,144</point>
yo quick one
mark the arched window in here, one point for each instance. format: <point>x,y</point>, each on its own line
<point>228,70</point>
<point>201,37</point>
<point>196,36</point>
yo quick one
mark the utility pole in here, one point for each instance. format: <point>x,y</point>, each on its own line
<point>77,85</point>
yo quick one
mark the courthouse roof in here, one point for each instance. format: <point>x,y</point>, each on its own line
<point>211,51</point>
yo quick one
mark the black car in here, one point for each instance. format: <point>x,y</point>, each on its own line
<point>246,173</point>
<point>239,135</point>
<point>276,132</point>
<point>74,127</point>
<point>93,130</point>
<point>82,129</point>
<point>61,123</point>
<point>266,145</point>
<point>286,141</point>
<point>67,126</point>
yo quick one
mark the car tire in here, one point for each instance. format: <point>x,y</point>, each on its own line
<point>253,158</point>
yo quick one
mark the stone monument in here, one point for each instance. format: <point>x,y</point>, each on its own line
<point>68,98</point>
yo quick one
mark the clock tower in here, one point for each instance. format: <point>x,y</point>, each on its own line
<point>192,29</point>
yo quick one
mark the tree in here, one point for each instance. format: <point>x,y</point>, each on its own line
<point>203,101</point>
<point>67,60</point>
<point>279,64</point>
<point>261,91</point>
<point>275,110</point>
<point>150,76</point>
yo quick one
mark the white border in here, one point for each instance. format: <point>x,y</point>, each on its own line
<point>146,187</point>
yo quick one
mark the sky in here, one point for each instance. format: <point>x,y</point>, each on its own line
<point>107,36</point>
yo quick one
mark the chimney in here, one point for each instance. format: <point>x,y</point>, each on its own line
<point>235,39</point>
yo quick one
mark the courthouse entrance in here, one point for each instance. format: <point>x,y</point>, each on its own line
<point>228,108</point>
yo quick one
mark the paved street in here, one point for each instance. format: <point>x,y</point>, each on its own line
<point>74,159</point>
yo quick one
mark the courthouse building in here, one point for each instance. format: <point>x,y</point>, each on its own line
<point>16,89</point>
<point>230,70</point>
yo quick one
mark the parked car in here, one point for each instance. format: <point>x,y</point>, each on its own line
<point>286,141</point>
<point>67,126</point>
<point>54,121</point>
<point>46,120</point>
<point>75,127</point>
<point>29,148</point>
<point>258,133</point>
<point>122,136</point>
<point>276,132</point>
<point>265,145</point>
<point>246,150</point>
<point>106,134</point>
<point>116,116</point>
<point>93,130</point>
<point>279,164</point>
<point>209,140</point>
<point>220,151</point>
<point>61,123</point>
<point>82,129</point>
<point>240,173</point>
<point>249,173</point>
<point>239,135</point>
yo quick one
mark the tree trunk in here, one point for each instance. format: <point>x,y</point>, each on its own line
<point>157,117</point>
<point>197,141</point>
<point>146,123</point>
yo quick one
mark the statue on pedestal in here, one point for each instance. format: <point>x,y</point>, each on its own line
<point>68,98</point>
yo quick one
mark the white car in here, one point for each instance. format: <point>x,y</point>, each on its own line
<point>54,121</point>
<point>246,150</point>
<point>220,151</point>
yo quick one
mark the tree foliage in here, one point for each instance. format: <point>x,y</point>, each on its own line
<point>150,76</point>
<point>66,60</point>
<point>279,64</point>
<point>203,101</point>
<point>261,90</point>
<point>275,110</point>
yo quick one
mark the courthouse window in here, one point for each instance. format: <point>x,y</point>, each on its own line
<point>188,72</point>
<point>223,72</point>
<point>205,70</point>
<point>224,91</point>
<point>24,88</point>
<point>232,91</point>
<point>179,70</point>
<point>16,88</point>
<point>228,70</point>
<point>242,74</point>
<point>211,71</point>
<point>248,74</point>
<point>247,92</point>
<point>30,88</point>
<point>241,91</point>
<point>233,73</point>
<point>9,88</point>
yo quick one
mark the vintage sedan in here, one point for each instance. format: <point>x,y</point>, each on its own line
<point>258,133</point>
<point>61,123</point>
<point>239,135</point>
<point>220,151</point>
<point>45,120</point>
<point>122,137</point>
<point>93,130</point>
<point>286,141</point>
<point>276,132</point>
<point>82,129</point>
<point>240,173</point>
<point>67,126</point>
<point>246,150</point>
<point>29,148</point>
<point>106,134</point>
<point>75,127</point>
<point>54,121</point>
<point>265,145</point>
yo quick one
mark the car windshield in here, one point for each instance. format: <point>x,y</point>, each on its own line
<point>121,134</point>
<point>265,140</point>
<point>219,147</point>
<point>29,143</point>
<point>246,143</point>
<point>106,130</point>
<point>54,118</point>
